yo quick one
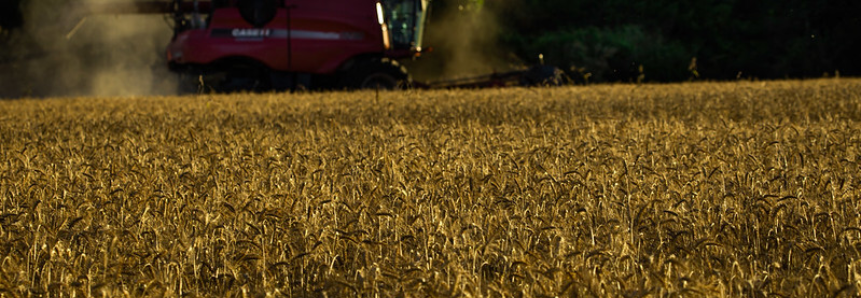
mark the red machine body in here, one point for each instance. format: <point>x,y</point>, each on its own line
<point>325,34</point>
<point>229,45</point>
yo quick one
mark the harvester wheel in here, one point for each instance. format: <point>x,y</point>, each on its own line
<point>382,73</point>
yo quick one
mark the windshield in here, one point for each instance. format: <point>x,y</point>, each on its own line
<point>406,20</point>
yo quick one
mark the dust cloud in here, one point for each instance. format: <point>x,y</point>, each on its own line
<point>64,50</point>
<point>465,43</point>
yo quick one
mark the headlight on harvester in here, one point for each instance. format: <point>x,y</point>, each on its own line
<point>380,17</point>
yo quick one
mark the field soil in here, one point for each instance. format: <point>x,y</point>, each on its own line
<point>701,189</point>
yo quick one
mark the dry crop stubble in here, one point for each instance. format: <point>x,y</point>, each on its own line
<point>720,189</point>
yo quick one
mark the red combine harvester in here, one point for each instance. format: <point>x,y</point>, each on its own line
<point>252,45</point>
<point>259,45</point>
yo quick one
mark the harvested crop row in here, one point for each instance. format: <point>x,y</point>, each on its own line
<point>735,189</point>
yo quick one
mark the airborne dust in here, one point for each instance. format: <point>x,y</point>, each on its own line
<point>62,50</point>
<point>465,41</point>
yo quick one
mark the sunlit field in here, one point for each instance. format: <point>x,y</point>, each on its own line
<point>717,189</point>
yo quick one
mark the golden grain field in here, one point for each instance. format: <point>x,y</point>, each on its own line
<point>700,189</point>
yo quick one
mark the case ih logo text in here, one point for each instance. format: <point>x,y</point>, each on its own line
<point>246,34</point>
<point>250,33</point>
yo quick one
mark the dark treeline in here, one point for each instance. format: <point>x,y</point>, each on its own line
<point>673,40</point>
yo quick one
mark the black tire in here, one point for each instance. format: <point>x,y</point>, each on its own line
<point>379,73</point>
<point>258,12</point>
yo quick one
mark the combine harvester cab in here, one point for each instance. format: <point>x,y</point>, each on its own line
<point>257,45</point>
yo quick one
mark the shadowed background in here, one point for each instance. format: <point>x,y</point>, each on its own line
<point>663,40</point>
<point>593,41</point>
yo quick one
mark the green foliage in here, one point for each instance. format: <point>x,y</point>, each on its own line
<point>764,39</point>
<point>622,54</point>
<point>478,4</point>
